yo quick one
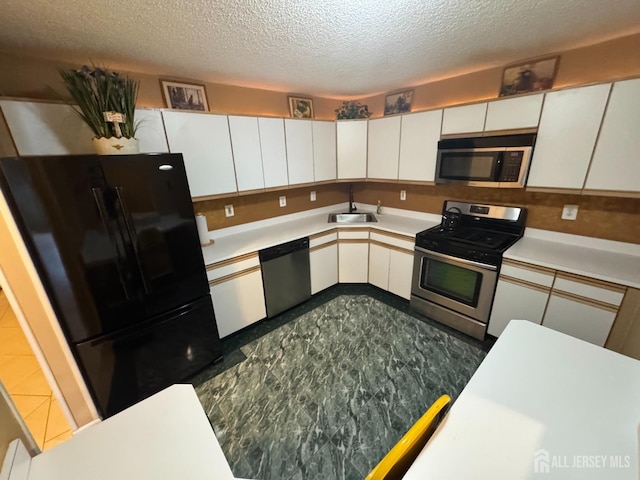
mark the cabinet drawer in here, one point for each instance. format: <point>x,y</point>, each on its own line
<point>322,238</point>
<point>232,265</point>
<point>353,234</point>
<point>395,240</point>
<point>589,289</point>
<point>532,274</point>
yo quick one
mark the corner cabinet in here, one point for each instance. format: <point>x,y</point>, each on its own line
<point>203,139</point>
<point>150,131</point>
<point>353,255</point>
<point>237,293</point>
<point>351,140</point>
<point>566,137</point>
<point>616,165</point>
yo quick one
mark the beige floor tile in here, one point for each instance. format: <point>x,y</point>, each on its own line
<point>34,384</point>
<point>8,318</point>
<point>27,404</point>
<point>37,422</point>
<point>57,440</point>
<point>17,369</point>
<point>57,424</point>
<point>13,342</point>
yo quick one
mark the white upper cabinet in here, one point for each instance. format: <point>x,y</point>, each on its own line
<point>616,161</point>
<point>420,133</point>
<point>464,119</point>
<point>203,139</point>
<point>274,152</point>
<point>299,150</point>
<point>384,148</point>
<point>567,134</point>
<point>352,148</point>
<point>512,113</point>
<point>247,157</point>
<point>46,128</point>
<point>324,150</point>
<point>150,131</point>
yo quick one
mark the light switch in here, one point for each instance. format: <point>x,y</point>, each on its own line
<point>283,201</point>
<point>403,194</point>
<point>228,210</point>
<point>313,196</point>
<point>570,212</point>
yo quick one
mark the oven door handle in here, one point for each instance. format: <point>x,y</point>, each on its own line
<point>456,259</point>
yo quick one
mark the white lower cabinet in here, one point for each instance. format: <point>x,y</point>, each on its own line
<point>324,267</point>
<point>379,266</point>
<point>579,319</point>
<point>516,301</point>
<point>400,273</point>
<point>238,302</point>
<point>353,265</point>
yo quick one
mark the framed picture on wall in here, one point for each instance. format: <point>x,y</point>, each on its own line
<point>398,102</point>
<point>185,96</point>
<point>300,107</point>
<point>529,76</point>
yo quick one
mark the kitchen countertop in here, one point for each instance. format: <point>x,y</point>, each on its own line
<point>605,260</point>
<point>237,241</point>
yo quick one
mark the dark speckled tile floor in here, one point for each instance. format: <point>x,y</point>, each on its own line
<point>326,389</point>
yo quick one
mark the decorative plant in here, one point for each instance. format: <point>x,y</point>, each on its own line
<point>101,94</point>
<point>352,109</point>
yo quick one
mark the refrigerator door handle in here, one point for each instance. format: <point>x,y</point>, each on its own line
<point>128,222</point>
<point>97,197</point>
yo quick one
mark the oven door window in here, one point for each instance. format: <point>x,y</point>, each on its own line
<point>472,166</point>
<point>458,283</point>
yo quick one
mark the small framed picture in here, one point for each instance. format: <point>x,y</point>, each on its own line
<point>398,102</point>
<point>300,107</point>
<point>185,96</point>
<point>529,76</point>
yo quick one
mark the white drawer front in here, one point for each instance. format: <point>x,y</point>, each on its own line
<point>314,242</point>
<point>389,240</point>
<point>532,276</point>
<point>353,235</point>
<point>233,268</point>
<point>589,291</point>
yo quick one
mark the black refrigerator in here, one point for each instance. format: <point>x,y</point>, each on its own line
<point>115,242</point>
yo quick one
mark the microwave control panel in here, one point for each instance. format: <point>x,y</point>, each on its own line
<point>511,163</point>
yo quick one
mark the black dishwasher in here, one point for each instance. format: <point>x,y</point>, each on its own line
<point>286,275</point>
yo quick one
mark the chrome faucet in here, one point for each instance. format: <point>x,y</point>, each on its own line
<point>352,206</point>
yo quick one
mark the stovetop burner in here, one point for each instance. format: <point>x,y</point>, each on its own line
<point>483,234</point>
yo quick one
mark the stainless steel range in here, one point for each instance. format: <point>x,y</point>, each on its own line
<point>456,263</point>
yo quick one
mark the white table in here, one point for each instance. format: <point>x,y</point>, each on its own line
<point>542,405</point>
<point>165,437</point>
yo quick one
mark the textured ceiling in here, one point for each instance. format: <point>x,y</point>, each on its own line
<point>336,48</point>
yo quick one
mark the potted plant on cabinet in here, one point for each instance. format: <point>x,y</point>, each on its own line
<point>106,102</point>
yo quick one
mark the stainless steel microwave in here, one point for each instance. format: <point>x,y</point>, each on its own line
<point>501,161</point>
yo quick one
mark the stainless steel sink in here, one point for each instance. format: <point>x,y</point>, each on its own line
<point>352,217</point>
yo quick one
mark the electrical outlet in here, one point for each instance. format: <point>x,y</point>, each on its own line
<point>283,201</point>
<point>313,196</point>
<point>228,211</point>
<point>403,194</point>
<point>570,212</point>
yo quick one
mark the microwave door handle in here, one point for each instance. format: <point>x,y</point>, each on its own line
<point>128,222</point>
<point>97,197</point>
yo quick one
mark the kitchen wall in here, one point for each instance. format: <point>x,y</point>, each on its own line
<point>611,218</point>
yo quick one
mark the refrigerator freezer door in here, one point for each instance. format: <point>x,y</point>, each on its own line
<point>153,200</point>
<point>124,369</point>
